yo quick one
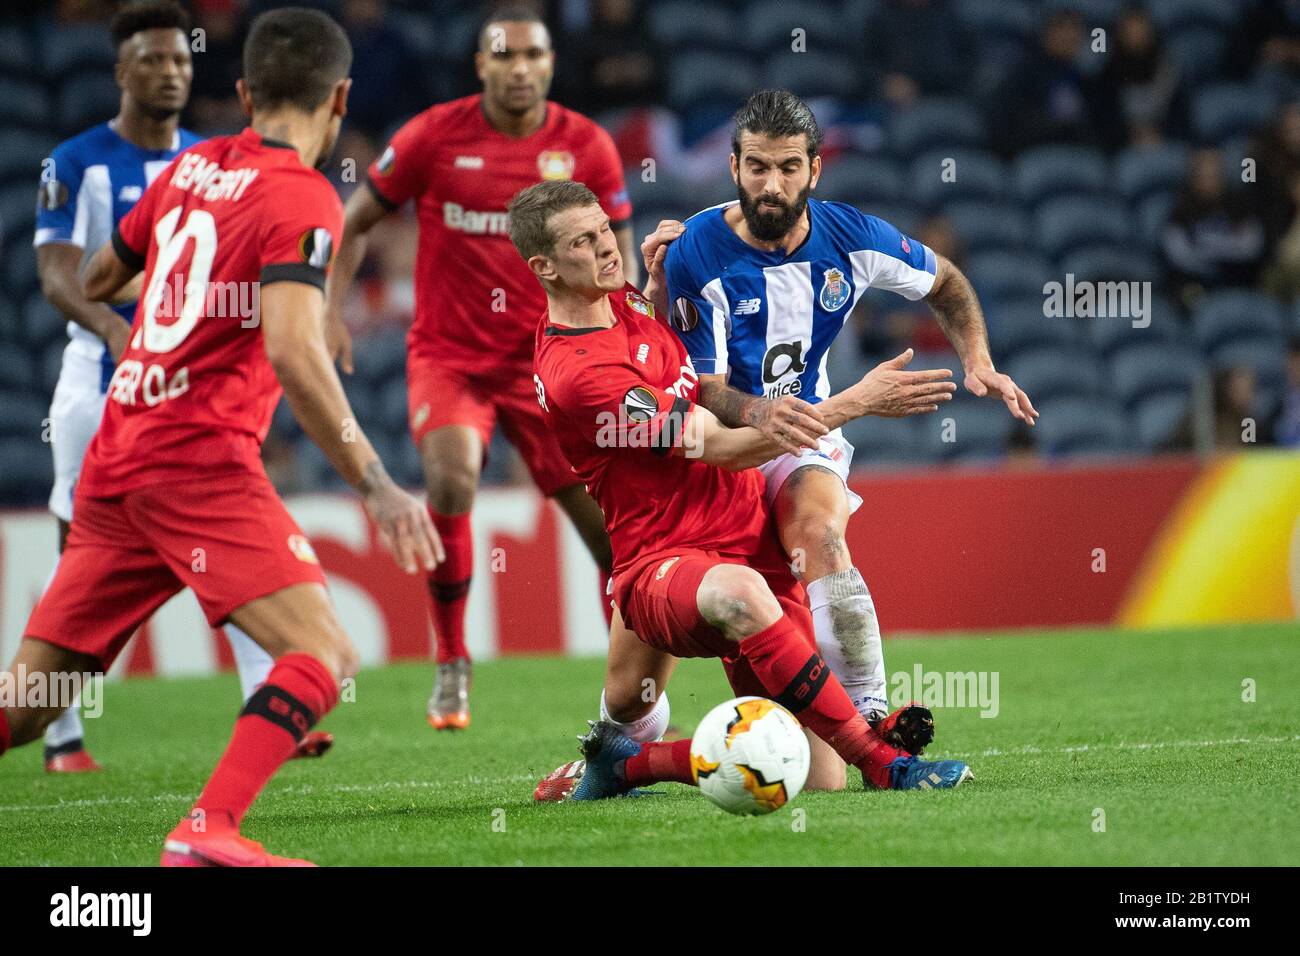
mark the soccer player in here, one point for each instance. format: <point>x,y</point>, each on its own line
<point>470,356</point>
<point>759,289</point>
<point>95,177</point>
<point>698,569</point>
<point>172,492</point>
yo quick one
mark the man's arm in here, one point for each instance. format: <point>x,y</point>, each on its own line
<point>362,211</point>
<point>887,390</point>
<point>293,335</point>
<point>57,264</point>
<point>957,308</point>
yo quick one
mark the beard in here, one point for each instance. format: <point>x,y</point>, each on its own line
<point>771,226</point>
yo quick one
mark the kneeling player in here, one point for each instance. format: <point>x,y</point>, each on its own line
<point>698,568</point>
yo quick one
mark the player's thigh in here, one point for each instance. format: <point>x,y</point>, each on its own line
<point>451,420</point>
<point>75,413</point>
<point>298,619</point>
<point>658,597</point>
<point>812,515</point>
<point>635,673</point>
<point>63,672</point>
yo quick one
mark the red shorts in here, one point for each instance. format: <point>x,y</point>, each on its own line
<point>440,393</point>
<point>230,540</point>
<point>658,598</point>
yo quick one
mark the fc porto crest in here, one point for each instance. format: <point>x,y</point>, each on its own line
<point>836,290</point>
<point>555,164</point>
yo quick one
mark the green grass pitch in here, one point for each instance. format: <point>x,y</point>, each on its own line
<point>1147,732</point>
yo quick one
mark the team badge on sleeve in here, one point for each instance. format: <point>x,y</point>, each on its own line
<point>836,290</point>
<point>685,315</point>
<point>384,165</point>
<point>640,404</point>
<point>316,247</point>
<point>301,549</point>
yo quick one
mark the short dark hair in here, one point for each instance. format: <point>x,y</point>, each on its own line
<point>139,15</point>
<point>293,57</point>
<point>777,113</point>
<point>514,13</point>
<point>531,210</point>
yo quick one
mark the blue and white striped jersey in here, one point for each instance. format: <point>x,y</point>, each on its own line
<point>95,178</point>
<point>766,320</point>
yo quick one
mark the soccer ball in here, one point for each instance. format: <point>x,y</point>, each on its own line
<point>749,756</point>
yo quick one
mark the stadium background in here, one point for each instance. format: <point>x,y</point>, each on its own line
<point>1158,487</point>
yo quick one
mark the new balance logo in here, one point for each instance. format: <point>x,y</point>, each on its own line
<point>748,307</point>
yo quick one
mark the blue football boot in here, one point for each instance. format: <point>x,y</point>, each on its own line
<point>913,773</point>
<point>605,750</point>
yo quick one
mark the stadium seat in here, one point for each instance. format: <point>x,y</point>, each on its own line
<point>678,25</point>
<point>966,430</point>
<point>827,74</point>
<point>1166,327</point>
<point>1015,19</point>
<point>1141,171</point>
<point>68,47</point>
<point>1152,217</point>
<point>1019,325</point>
<point>391,405</point>
<point>861,179</point>
<point>20,370</point>
<point>704,77</point>
<point>1095,12</point>
<point>972,174</point>
<point>1049,373</point>
<point>935,123</point>
<point>1142,370</point>
<point>15,50</point>
<point>1108,262</point>
<point>21,156</point>
<point>380,356</point>
<point>1157,419</point>
<point>22,414</point>
<point>1198,52</point>
<point>18,212</point>
<point>20,262</point>
<point>1047,171</point>
<point>51,363</point>
<point>881,443</point>
<point>1228,109</point>
<point>987,226</point>
<point>23,103</point>
<point>1081,426</point>
<point>1071,222</point>
<point>42,322</point>
<point>1002,275</point>
<point>87,99</point>
<point>1266,357</point>
<point>767,26</point>
<point>906,218</point>
<point>28,473</point>
<point>1172,15</point>
<point>1233,315</point>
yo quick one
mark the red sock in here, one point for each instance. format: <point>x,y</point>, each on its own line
<point>449,585</point>
<point>798,679</point>
<point>660,762</point>
<point>297,693</point>
<point>606,599</point>
<point>4,732</point>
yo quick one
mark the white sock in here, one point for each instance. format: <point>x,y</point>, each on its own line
<point>848,637</point>
<point>251,661</point>
<point>66,727</point>
<point>649,728</point>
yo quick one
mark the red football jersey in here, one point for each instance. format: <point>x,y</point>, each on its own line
<point>194,392</point>
<point>616,400</point>
<point>476,302</point>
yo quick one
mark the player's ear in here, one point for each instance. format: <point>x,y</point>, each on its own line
<point>245,98</point>
<point>479,60</point>
<point>339,105</point>
<point>119,72</point>
<point>542,267</point>
<point>816,171</point>
<point>735,169</point>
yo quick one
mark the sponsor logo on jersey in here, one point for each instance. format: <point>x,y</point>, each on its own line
<point>301,549</point>
<point>906,246</point>
<point>130,194</point>
<point>748,307</point>
<point>475,223</point>
<point>637,303</point>
<point>780,361</point>
<point>663,568</point>
<point>384,165</point>
<point>643,352</point>
<point>316,247</point>
<point>555,164</point>
<point>469,162</point>
<point>52,195</point>
<point>640,404</point>
<point>685,315</point>
<point>835,290</point>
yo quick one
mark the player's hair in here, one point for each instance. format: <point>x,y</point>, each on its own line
<point>514,13</point>
<point>293,57</point>
<point>777,113</point>
<point>531,210</point>
<point>138,15</point>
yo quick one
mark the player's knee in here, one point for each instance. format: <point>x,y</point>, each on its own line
<point>451,486</point>
<point>817,542</point>
<point>736,599</point>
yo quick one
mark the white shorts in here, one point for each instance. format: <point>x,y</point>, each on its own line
<point>834,454</point>
<point>75,412</point>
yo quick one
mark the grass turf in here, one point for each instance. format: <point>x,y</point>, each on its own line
<point>1148,728</point>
